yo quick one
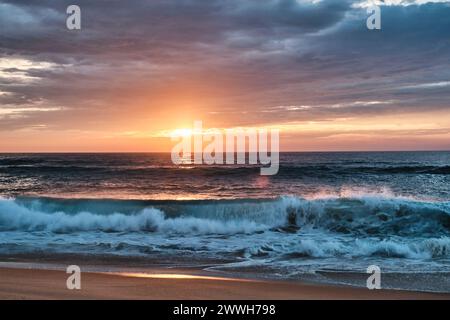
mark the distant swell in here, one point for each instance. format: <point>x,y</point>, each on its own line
<point>385,169</point>
<point>406,169</point>
<point>36,166</point>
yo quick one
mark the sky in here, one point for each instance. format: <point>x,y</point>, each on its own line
<point>139,69</point>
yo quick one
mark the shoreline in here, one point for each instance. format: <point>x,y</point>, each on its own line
<point>179,284</point>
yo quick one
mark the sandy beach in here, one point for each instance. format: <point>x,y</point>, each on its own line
<point>178,284</point>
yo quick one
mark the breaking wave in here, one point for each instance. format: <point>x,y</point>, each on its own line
<point>366,215</point>
<point>386,248</point>
<point>344,229</point>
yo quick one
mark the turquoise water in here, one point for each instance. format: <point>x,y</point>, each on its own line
<point>323,211</point>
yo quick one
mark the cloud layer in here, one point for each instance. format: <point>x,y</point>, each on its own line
<point>139,64</point>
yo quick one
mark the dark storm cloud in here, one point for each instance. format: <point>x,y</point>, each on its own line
<point>38,27</point>
<point>272,53</point>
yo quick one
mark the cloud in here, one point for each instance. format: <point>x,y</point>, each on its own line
<point>276,60</point>
<point>368,3</point>
<point>432,85</point>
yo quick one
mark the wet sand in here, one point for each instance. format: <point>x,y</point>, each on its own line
<point>178,284</point>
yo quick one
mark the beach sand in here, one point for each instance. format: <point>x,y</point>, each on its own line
<point>178,284</point>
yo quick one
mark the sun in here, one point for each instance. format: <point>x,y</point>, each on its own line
<point>180,133</point>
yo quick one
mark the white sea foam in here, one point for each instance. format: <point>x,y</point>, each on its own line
<point>365,214</point>
<point>333,231</point>
<point>14,216</point>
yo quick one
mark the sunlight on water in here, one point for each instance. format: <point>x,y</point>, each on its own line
<point>177,276</point>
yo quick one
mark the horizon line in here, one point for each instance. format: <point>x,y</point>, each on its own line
<point>168,152</point>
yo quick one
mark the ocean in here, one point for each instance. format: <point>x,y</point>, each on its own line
<point>324,217</point>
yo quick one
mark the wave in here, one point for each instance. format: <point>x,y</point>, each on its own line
<point>14,216</point>
<point>39,165</point>
<point>352,229</point>
<point>357,214</point>
<point>387,248</point>
<point>377,169</point>
<point>405,170</point>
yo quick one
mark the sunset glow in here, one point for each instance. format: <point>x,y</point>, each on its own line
<point>323,89</point>
<point>173,276</point>
<point>224,150</point>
